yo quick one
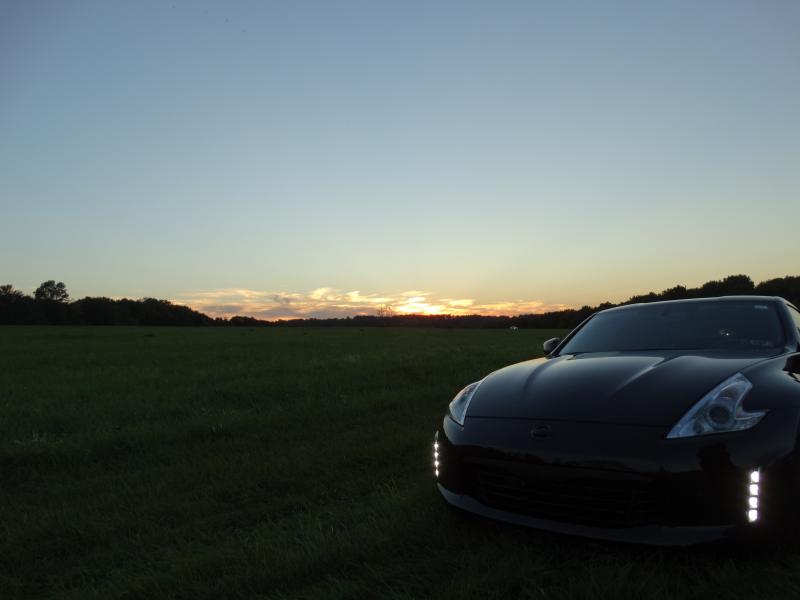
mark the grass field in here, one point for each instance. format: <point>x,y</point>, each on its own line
<point>283,463</point>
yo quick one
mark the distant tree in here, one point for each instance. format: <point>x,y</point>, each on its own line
<point>650,297</point>
<point>7,290</point>
<point>240,321</point>
<point>16,308</point>
<point>679,292</point>
<point>384,310</point>
<point>788,287</point>
<point>99,311</point>
<point>733,285</point>
<point>52,291</point>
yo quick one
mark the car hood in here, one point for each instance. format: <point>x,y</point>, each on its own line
<point>641,388</point>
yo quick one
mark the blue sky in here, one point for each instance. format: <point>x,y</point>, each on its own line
<point>286,158</point>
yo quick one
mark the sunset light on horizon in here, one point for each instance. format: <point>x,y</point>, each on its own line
<point>328,302</point>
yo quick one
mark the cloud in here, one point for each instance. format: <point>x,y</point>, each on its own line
<point>462,303</point>
<point>325,302</point>
<point>321,293</point>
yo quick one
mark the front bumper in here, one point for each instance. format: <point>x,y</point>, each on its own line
<point>644,534</point>
<point>620,482</point>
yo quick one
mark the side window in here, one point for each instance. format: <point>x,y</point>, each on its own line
<point>796,316</point>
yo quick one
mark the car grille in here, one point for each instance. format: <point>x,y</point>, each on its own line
<point>572,495</point>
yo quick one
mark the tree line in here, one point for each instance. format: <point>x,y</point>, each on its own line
<point>50,304</point>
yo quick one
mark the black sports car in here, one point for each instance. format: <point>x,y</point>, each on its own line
<point>670,423</point>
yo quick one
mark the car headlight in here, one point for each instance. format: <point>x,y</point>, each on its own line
<point>459,404</point>
<point>719,411</point>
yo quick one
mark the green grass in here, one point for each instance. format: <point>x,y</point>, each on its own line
<point>283,463</point>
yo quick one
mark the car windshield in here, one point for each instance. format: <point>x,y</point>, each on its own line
<point>683,325</point>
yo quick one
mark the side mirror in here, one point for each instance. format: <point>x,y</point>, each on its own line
<point>550,345</point>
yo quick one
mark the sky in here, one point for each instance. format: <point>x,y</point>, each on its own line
<point>283,159</point>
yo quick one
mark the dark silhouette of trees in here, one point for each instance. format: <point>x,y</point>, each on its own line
<point>241,321</point>
<point>732,285</point>
<point>51,300</point>
<point>384,310</point>
<point>51,291</point>
<point>16,308</point>
<point>786,287</point>
<point>50,305</point>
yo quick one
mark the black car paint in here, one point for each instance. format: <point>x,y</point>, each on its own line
<point>641,388</point>
<point>619,439</point>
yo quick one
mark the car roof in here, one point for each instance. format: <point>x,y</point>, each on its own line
<point>708,299</point>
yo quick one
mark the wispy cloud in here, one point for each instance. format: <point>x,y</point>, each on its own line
<point>326,302</point>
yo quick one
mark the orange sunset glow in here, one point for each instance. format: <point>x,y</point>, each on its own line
<point>330,302</point>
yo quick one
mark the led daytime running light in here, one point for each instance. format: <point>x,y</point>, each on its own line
<point>752,500</point>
